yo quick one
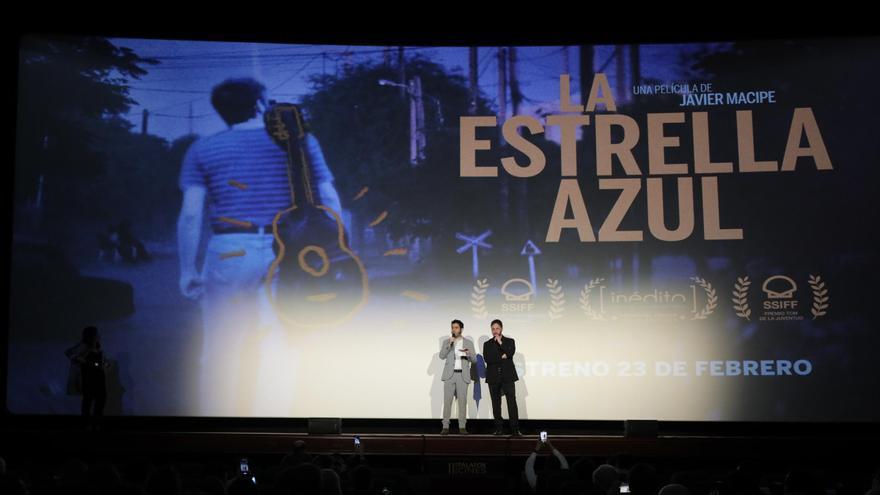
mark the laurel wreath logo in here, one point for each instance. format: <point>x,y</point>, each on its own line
<point>478,298</point>
<point>585,299</point>
<point>557,299</point>
<point>711,299</point>
<point>741,298</point>
<point>820,296</point>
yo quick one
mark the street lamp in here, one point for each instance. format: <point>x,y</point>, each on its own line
<point>417,137</point>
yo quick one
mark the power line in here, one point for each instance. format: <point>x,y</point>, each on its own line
<point>245,51</point>
<point>165,90</point>
<point>298,72</point>
<point>202,116</point>
<point>299,54</point>
<point>191,61</point>
<point>543,55</point>
<point>270,58</point>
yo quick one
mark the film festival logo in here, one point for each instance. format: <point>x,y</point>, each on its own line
<point>780,300</point>
<point>520,297</point>
<point>697,302</point>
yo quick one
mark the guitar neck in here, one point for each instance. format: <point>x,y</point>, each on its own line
<point>299,169</point>
<point>285,125</point>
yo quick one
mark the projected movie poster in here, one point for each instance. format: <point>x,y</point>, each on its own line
<point>668,231</point>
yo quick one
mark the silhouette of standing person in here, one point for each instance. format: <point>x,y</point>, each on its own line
<point>87,353</point>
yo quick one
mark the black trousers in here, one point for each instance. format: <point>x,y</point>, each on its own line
<point>509,389</point>
<point>94,392</point>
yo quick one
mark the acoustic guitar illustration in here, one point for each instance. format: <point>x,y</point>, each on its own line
<point>320,280</point>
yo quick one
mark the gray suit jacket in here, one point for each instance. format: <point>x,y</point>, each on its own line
<point>448,353</point>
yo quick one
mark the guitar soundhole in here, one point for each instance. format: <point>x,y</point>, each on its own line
<point>322,257</point>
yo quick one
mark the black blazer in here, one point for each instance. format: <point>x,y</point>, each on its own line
<point>497,369</point>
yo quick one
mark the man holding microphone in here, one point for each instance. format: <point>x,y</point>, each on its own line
<point>458,352</point>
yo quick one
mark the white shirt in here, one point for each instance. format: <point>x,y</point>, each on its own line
<point>459,347</point>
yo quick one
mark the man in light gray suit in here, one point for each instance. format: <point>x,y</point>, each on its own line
<point>459,353</point>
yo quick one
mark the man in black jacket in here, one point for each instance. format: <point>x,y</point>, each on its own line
<point>501,376</point>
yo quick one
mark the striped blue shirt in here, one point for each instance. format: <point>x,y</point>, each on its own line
<point>245,174</point>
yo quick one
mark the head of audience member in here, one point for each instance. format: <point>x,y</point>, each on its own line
<point>323,461</point>
<point>583,469</point>
<point>331,484</point>
<point>801,482</point>
<point>164,481</point>
<point>302,479</point>
<point>362,478</point>
<point>742,481</point>
<point>11,484</point>
<point>296,456</point>
<point>242,485</point>
<point>212,485</point>
<point>74,472</point>
<point>554,480</point>
<point>137,470</point>
<point>104,478</point>
<point>642,479</point>
<point>674,489</point>
<point>574,487</point>
<point>605,477</point>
